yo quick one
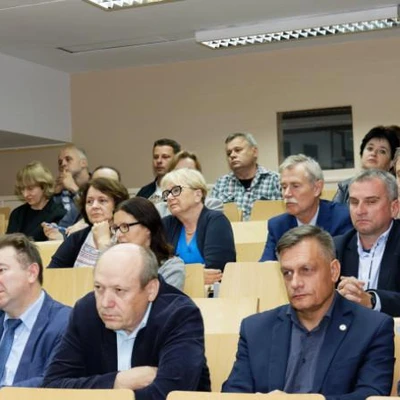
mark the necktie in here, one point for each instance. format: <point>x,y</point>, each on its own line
<point>6,342</point>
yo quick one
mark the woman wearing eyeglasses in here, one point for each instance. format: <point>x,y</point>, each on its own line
<point>198,234</point>
<point>137,221</point>
<point>98,199</point>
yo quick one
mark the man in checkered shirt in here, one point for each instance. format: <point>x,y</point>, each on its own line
<point>248,181</point>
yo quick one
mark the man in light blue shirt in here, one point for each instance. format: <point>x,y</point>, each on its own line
<point>40,321</point>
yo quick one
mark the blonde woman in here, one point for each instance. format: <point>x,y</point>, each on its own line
<point>198,234</point>
<point>35,186</point>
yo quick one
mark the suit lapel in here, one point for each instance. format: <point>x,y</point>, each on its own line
<point>109,350</point>
<point>337,330</point>
<point>350,258</point>
<point>280,347</point>
<point>28,354</point>
<point>390,258</point>
<point>324,219</point>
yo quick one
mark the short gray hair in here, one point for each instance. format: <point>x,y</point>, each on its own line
<point>150,266</point>
<point>296,235</point>
<point>385,177</point>
<point>313,169</point>
<point>246,136</point>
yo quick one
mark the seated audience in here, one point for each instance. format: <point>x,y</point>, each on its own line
<point>31,322</point>
<point>302,182</point>
<point>198,235</point>
<point>370,253</point>
<point>320,342</point>
<point>186,159</point>
<point>98,199</point>
<point>137,221</point>
<point>134,332</point>
<point>73,221</point>
<point>376,151</point>
<point>248,181</point>
<point>35,186</point>
<point>163,154</point>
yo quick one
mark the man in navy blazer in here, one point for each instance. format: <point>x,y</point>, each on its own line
<point>302,182</point>
<point>370,253</point>
<point>43,320</point>
<point>321,342</point>
<point>134,332</point>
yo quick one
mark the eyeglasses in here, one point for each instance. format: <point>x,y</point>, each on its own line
<point>175,191</point>
<point>124,227</point>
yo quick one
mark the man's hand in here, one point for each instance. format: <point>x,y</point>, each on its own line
<point>135,378</point>
<point>353,289</point>
<point>212,275</point>
<point>81,224</point>
<point>66,181</point>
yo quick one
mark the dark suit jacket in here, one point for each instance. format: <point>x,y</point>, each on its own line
<point>148,190</point>
<point>332,217</point>
<point>389,275</point>
<point>214,237</point>
<point>356,359</point>
<point>173,341</point>
<point>39,350</point>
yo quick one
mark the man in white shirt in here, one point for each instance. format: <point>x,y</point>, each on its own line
<point>31,322</point>
<point>370,254</point>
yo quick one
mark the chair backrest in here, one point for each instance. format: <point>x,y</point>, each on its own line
<point>224,315</point>
<point>220,353</point>
<point>382,397</point>
<point>232,212</point>
<point>16,393</point>
<point>246,396</point>
<point>47,249</point>
<point>194,280</point>
<point>327,194</point>
<point>6,211</point>
<point>250,238</point>
<point>262,280</point>
<point>266,209</point>
<point>67,285</point>
<point>3,226</point>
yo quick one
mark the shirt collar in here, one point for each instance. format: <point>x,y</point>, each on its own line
<point>142,324</point>
<point>381,240</point>
<point>313,219</point>
<point>29,316</point>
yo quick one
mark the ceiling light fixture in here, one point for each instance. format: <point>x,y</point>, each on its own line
<point>292,29</point>
<point>113,5</point>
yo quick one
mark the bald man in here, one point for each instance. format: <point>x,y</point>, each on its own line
<point>134,332</point>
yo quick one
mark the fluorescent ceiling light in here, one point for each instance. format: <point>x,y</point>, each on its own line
<point>112,5</point>
<point>308,27</point>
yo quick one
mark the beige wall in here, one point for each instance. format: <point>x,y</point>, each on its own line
<point>116,115</point>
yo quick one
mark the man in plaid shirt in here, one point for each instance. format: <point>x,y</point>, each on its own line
<point>248,181</point>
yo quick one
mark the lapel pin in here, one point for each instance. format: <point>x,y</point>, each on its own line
<point>343,327</point>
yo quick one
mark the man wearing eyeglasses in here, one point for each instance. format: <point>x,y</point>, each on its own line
<point>370,254</point>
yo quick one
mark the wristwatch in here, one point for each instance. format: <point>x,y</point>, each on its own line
<point>373,299</point>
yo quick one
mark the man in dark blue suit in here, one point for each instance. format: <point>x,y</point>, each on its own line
<point>370,253</point>
<point>302,182</point>
<point>40,320</point>
<point>321,342</point>
<point>134,332</point>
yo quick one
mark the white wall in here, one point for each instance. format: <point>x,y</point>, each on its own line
<point>34,100</point>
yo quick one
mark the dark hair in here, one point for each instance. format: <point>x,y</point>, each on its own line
<point>27,252</point>
<point>382,132</point>
<point>114,189</point>
<point>168,142</point>
<point>108,167</point>
<point>146,213</point>
<point>296,235</point>
<point>181,156</point>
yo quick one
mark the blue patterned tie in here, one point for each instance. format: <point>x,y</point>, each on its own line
<point>6,342</point>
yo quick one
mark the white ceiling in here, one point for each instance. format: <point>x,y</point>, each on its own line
<point>35,30</point>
